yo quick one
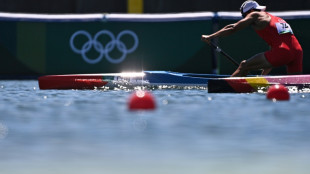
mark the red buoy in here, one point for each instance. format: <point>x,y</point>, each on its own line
<point>278,92</point>
<point>141,100</point>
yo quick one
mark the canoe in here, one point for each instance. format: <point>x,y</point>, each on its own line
<point>255,84</point>
<point>126,80</point>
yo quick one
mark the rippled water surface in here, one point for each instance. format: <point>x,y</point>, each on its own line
<point>191,131</point>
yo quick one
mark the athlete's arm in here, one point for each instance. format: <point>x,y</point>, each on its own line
<point>232,28</point>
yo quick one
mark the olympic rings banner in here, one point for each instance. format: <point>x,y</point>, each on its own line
<point>104,49</point>
<point>107,43</point>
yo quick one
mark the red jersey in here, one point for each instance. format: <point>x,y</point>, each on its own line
<point>276,32</point>
<point>285,48</point>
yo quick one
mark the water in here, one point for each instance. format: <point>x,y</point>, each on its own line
<point>191,131</point>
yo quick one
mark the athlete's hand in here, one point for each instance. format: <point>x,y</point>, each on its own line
<point>206,38</point>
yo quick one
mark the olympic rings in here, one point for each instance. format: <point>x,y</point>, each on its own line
<point>104,50</point>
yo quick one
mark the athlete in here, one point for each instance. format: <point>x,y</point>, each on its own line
<point>285,48</point>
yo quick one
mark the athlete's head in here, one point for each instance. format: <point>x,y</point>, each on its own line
<point>250,5</point>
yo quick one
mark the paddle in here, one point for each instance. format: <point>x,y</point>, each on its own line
<point>219,50</point>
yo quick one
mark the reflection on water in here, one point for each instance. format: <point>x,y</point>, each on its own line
<point>191,131</point>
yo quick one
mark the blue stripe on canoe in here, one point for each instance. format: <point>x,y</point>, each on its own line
<point>179,78</point>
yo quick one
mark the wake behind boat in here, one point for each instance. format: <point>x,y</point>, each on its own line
<point>157,79</point>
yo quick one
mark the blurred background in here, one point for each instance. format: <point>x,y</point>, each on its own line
<point>149,6</point>
<point>51,36</point>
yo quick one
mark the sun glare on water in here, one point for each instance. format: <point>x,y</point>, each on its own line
<point>132,74</point>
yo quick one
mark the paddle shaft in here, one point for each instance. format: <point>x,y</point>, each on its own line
<point>218,49</point>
